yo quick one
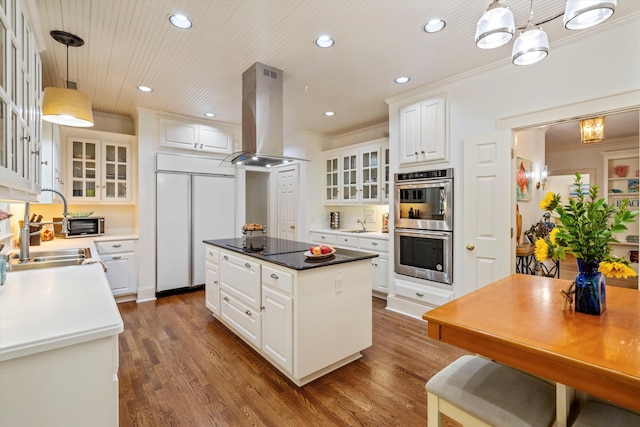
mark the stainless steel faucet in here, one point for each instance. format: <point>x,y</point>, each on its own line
<point>25,231</point>
<point>362,223</point>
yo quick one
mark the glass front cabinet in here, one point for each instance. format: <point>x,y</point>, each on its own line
<point>99,171</point>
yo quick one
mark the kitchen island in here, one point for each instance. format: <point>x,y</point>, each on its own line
<point>58,348</point>
<point>306,316</point>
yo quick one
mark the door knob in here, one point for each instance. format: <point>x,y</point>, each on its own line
<point>470,247</point>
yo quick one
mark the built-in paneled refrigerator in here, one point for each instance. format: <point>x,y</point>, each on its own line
<point>190,208</point>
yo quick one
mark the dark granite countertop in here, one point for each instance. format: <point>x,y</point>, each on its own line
<point>287,253</point>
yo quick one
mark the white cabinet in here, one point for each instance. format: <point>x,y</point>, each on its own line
<point>240,287</point>
<point>423,132</point>
<point>622,183</point>
<point>99,171</point>
<point>356,174</point>
<point>20,100</point>
<point>277,317</point>
<point>212,280</point>
<point>191,135</point>
<point>119,256</point>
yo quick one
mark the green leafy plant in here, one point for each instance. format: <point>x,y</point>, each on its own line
<point>586,229</point>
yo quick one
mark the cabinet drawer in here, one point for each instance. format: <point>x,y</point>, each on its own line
<point>241,278</point>
<point>423,294</point>
<point>115,246</point>
<point>277,279</point>
<point>212,254</point>
<point>242,319</point>
<point>373,245</point>
<point>347,241</point>
<point>329,239</point>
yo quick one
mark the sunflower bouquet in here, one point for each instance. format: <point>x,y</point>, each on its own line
<point>586,229</point>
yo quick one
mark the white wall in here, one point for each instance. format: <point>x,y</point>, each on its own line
<point>478,102</point>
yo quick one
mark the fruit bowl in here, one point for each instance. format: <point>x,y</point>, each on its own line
<point>308,254</point>
<point>79,214</point>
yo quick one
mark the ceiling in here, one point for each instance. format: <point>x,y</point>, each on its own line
<point>130,42</point>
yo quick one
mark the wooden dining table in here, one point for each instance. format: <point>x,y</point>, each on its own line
<point>521,321</point>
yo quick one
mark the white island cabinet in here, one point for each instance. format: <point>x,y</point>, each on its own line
<point>59,348</point>
<point>306,319</point>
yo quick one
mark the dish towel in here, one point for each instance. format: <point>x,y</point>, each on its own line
<point>95,261</point>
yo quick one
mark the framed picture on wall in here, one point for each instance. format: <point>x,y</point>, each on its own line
<point>523,179</point>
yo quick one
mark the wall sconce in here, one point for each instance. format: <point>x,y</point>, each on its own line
<point>592,130</point>
<point>544,173</point>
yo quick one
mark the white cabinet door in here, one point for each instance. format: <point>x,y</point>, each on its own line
<point>277,328</point>
<point>331,179</point>
<point>423,136</point>
<point>380,274</point>
<point>212,288</point>
<point>214,139</point>
<point>121,272</point>
<point>178,134</point>
<point>369,176</point>
<point>116,172</point>
<point>350,182</point>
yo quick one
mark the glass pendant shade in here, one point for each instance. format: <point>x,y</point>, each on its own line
<point>66,107</point>
<point>495,27</point>
<point>530,47</point>
<point>592,130</point>
<point>580,14</point>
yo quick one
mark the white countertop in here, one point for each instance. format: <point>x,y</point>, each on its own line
<point>370,234</point>
<point>45,309</point>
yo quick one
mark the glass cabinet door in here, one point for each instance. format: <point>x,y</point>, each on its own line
<point>350,177</point>
<point>370,171</point>
<point>116,171</point>
<point>84,165</point>
<point>332,173</point>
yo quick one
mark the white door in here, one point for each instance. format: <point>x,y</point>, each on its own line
<point>287,202</point>
<point>277,327</point>
<point>488,209</point>
<point>173,216</point>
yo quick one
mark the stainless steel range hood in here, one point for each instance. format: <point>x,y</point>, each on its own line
<point>262,123</point>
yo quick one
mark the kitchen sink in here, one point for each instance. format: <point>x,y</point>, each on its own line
<point>357,231</point>
<point>49,259</point>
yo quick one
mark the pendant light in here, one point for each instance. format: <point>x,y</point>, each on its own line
<point>581,14</point>
<point>495,27</point>
<point>531,46</point>
<point>66,106</point>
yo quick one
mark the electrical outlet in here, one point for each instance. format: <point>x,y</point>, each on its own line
<point>338,285</point>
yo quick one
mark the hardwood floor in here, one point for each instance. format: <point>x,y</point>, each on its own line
<point>179,366</point>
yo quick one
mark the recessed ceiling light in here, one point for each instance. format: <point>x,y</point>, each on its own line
<point>324,41</point>
<point>143,88</point>
<point>180,21</point>
<point>210,114</point>
<point>402,79</point>
<point>434,26</point>
<point>329,113</point>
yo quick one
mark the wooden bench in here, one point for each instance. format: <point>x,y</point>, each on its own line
<point>475,391</point>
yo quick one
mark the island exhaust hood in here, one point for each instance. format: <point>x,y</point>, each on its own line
<point>262,124</point>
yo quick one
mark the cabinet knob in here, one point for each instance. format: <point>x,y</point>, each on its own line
<point>293,227</point>
<point>274,276</point>
<point>247,265</point>
<point>215,282</point>
<point>422,151</point>
<point>374,243</point>
<point>322,237</point>
<point>226,299</point>
<point>415,153</point>
<point>225,257</point>
<point>116,257</point>
<point>210,253</point>
<point>116,245</point>
<point>46,163</point>
<point>248,312</point>
<point>420,294</point>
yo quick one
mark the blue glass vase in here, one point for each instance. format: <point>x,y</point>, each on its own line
<point>590,289</point>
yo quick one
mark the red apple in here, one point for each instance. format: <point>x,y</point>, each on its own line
<point>325,249</point>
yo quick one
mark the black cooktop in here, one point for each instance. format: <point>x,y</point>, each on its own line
<point>266,245</point>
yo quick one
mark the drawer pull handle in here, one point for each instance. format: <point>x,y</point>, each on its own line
<point>374,243</point>
<point>215,282</point>
<point>248,312</point>
<point>346,240</point>
<point>420,294</point>
<point>226,299</point>
<point>274,276</point>
<point>116,245</point>
<point>322,237</point>
<point>210,253</point>
<point>247,265</point>
<point>226,257</point>
<point>116,257</point>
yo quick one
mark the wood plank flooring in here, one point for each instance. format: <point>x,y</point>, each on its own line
<point>179,366</point>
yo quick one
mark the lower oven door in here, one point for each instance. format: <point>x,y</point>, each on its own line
<point>424,254</point>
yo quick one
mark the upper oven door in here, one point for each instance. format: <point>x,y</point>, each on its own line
<point>424,205</point>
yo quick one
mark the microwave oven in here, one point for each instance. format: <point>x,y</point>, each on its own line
<point>80,227</point>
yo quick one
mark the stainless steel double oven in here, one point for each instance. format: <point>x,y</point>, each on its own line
<point>423,209</point>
